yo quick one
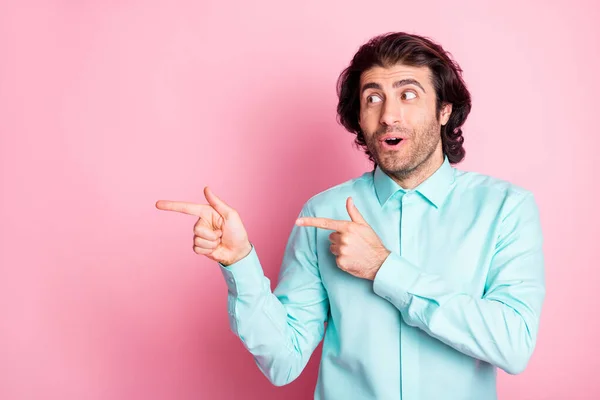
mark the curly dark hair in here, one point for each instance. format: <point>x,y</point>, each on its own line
<point>412,50</point>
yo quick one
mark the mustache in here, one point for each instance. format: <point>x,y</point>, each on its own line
<point>392,129</point>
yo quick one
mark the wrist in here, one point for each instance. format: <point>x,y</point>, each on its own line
<point>247,248</point>
<point>385,253</point>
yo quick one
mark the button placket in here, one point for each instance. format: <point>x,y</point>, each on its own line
<point>409,344</point>
<point>411,213</point>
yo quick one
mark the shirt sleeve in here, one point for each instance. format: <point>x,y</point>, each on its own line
<point>499,328</point>
<point>281,329</point>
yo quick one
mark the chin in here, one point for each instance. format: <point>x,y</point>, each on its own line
<point>395,167</point>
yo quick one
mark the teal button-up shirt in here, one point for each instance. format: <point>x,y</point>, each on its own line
<point>460,294</point>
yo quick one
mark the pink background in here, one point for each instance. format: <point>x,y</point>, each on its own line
<point>108,106</point>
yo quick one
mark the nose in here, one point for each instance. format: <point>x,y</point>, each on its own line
<point>391,112</point>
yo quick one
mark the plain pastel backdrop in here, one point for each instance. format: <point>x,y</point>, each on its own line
<point>108,106</point>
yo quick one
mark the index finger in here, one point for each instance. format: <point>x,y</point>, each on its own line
<point>323,223</point>
<point>180,206</point>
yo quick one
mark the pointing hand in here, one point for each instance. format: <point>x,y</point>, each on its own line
<point>219,233</point>
<point>357,248</point>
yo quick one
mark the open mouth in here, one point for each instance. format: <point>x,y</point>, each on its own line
<point>393,141</point>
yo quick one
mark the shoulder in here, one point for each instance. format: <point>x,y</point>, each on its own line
<point>490,190</point>
<point>336,195</point>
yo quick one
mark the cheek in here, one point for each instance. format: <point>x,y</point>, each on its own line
<point>417,117</point>
<point>369,120</point>
<point>362,117</point>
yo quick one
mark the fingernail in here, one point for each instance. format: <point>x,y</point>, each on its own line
<point>299,221</point>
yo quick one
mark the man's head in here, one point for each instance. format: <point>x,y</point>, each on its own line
<point>406,87</point>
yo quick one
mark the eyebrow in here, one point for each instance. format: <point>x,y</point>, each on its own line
<point>397,84</point>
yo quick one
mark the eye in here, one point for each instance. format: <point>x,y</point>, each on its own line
<point>373,98</point>
<point>408,96</point>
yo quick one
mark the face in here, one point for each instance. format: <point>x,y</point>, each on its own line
<point>399,121</point>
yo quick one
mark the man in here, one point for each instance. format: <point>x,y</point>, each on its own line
<point>429,278</point>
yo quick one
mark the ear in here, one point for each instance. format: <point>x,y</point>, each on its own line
<point>445,113</point>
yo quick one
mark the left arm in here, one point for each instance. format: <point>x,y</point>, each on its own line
<point>499,328</point>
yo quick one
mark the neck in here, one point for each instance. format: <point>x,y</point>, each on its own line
<point>414,177</point>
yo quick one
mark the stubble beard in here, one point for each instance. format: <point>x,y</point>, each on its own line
<point>400,165</point>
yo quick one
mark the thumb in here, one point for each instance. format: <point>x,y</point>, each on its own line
<point>355,215</point>
<point>219,205</point>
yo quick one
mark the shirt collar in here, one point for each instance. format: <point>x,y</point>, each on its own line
<point>435,188</point>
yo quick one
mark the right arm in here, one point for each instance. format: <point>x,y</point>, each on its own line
<point>282,328</point>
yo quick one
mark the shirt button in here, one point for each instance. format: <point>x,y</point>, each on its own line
<point>230,279</point>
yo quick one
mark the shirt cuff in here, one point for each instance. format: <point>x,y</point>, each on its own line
<point>244,276</point>
<point>393,280</point>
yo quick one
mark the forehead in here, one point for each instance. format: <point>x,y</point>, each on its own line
<point>390,74</point>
